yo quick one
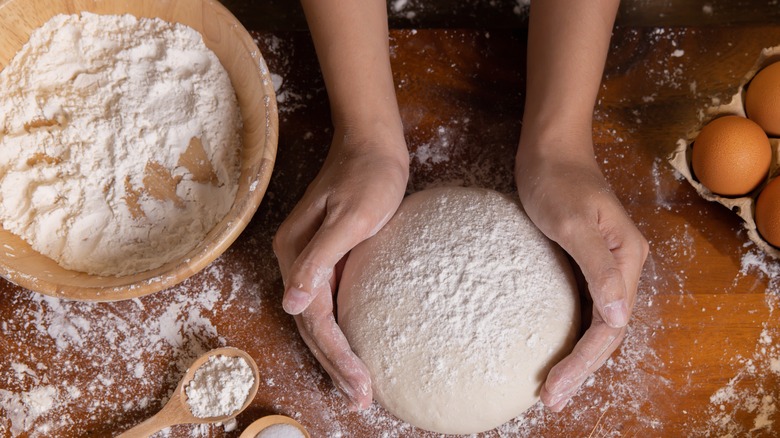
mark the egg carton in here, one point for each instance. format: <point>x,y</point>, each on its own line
<point>743,206</point>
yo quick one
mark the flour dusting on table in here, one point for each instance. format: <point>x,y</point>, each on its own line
<point>105,351</point>
<point>741,397</point>
<point>623,398</point>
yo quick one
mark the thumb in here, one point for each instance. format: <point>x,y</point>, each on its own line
<point>602,272</point>
<point>311,272</point>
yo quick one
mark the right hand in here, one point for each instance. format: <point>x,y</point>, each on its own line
<point>358,189</point>
<point>567,197</point>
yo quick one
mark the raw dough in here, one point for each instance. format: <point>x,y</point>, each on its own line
<point>459,306</point>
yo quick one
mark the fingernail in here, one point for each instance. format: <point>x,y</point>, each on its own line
<point>555,399</point>
<point>353,395</point>
<point>557,402</point>
<point>562,405</point>
<point>616,314</point>
<point>348,393</point>
<point>296,301</point>
<point>353,406</point>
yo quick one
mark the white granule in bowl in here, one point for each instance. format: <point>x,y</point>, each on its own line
<point>119,142</point>
<point>220,386</point>
<point>280,431</point>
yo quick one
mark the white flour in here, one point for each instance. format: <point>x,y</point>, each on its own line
<point>102,352</point>
<point>280,431</point>
<point>96,114</point>
<point>23,409</point>
<point>220,386</point>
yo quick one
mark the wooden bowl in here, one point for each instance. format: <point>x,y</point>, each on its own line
<point>264,423</point>
<point>238,53</point>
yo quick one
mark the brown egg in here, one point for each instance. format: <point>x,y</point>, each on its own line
<point>762,100</point>
<point>768,212</point>
<point>731,156</point>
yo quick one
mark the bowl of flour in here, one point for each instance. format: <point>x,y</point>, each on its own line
<point>137,140</point>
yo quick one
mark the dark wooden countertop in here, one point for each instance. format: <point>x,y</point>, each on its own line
<point>701,357</point>
<point>284,15</point>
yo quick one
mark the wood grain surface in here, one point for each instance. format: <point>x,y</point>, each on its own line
<point>283,15</point>
<point>701,357</point>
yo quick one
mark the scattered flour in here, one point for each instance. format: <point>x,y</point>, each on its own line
<point>23,409</point>
<point>283,75</point>
<point>399,5</point>
<point>140,347</point>
<point>220,386</point>
<point>413,9</point>
<point>741,397</point>
<point>625,391</point>
<point>521,7</point>
<point>119,141</point>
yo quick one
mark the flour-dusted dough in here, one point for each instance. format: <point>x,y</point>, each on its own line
<point>459,306</point>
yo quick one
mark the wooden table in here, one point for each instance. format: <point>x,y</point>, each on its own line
<point>701,357</point>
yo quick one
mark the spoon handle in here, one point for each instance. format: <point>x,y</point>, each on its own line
<point>167,417</point>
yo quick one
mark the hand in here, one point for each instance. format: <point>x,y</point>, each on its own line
<point>567,197</point>
<point>358,189</point>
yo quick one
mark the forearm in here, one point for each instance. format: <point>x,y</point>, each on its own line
<point>351,39</point>
<point>568,43</point>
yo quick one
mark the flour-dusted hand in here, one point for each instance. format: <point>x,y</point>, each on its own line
<point>571,203</point>
<point>357,191</point>
<point>358,188</point>
<point>560,185</point>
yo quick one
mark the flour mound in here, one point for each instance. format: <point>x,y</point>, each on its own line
<point>220,386</point>
<point>119,142</point>
<point>459,307</point>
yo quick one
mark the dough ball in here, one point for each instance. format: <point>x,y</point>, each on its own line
<point>459,307</point>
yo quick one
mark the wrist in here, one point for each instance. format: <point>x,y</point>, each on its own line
<point>381,136</point>
<point>555,140</point>
<point>373,109</point>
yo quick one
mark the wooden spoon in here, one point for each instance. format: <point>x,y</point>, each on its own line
<point>177,410</point>
<point>260,425</point>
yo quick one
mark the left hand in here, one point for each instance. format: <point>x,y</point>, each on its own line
<point>567,197</point>
<point>358,189</point>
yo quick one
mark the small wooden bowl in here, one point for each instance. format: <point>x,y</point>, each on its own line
<point>264,423</point>
<point>238,53</point>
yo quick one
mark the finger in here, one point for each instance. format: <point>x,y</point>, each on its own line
<point>291,239</point>
<point>296,231</point>
<point>325,339</point>
<point>596,345</point>
<point>629,250</point>
<point>630,255</point>
<point>315,265</point>
<point>558,407</point>
<point>605,280</point>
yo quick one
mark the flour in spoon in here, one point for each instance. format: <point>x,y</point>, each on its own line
<point>220,386</point>
<point>119,142</point>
